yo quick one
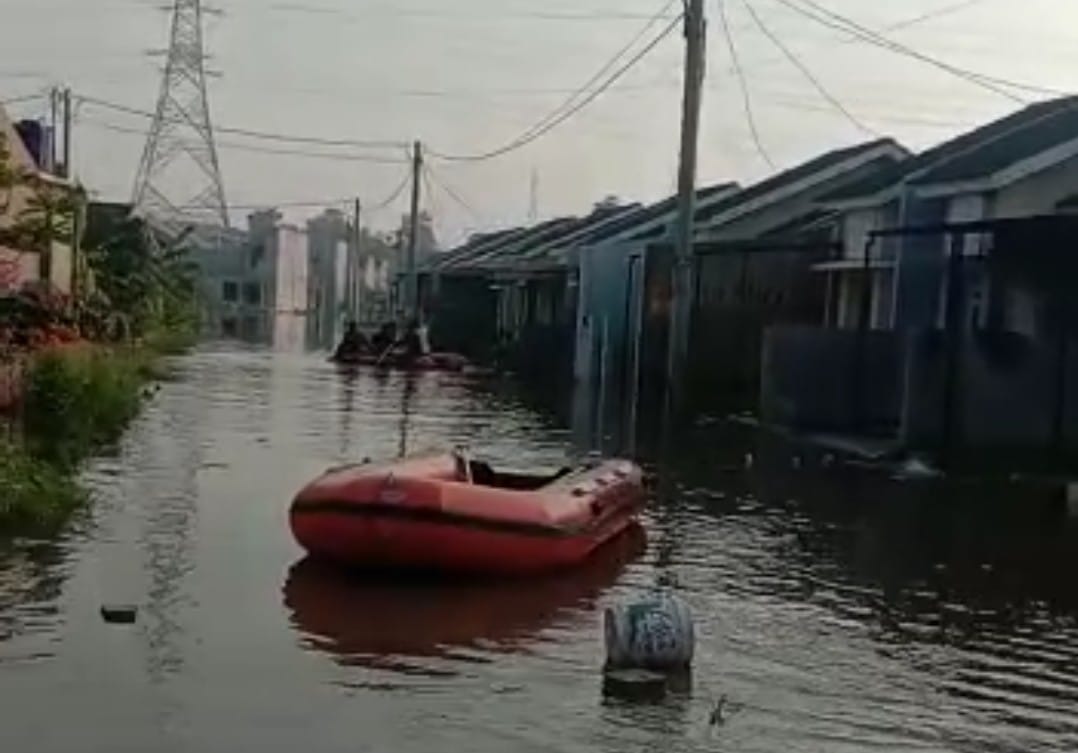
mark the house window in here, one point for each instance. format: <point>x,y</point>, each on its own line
<point>230,292</point>
<point>252,294</point>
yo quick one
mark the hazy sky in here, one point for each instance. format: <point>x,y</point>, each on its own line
<point>469,75</point>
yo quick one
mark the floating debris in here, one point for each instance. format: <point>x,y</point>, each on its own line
<point>119,614</point>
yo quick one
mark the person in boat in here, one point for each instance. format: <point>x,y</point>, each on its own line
<point>416,340</point>
<point>353,343</point>
<point>385,338</point>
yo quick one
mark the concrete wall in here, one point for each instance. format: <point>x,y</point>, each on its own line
<point>810,380</point>
<point>1006,391</point>
<point>739,295</point>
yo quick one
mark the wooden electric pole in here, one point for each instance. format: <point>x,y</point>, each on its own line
<point>682,284</point>
<point>354,267</point>
<point>411,294</point>
<point>65,171</point>
<point>54,122</point>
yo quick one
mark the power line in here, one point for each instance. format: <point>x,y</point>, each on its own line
<point>535,133</point>
<point>290,204</point>
<point>394,195</point>
<point>932,15</point>
<point>24,98</point>
<point>264,135</point>
<point>836,21</point>
<point>747,100</point>
<point>453,193</point>
<point>816,83</point>
<point>606,67</point>
<point>230,145</point>
<point>327,203</point>
<point>321,10</point>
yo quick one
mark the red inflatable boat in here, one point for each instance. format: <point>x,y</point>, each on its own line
<point>449,513</point>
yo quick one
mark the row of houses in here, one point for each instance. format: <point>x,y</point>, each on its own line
<point>919,297</point>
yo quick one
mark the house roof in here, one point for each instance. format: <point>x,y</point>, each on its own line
<point>482,254</point>
<point>806,170</point>
<point>980,152</point>
<point>512,247</point>
<point>1054,126</point>
<point>623,223</point>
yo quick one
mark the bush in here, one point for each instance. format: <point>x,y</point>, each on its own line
<point>77,399</point>
<point>35,495</point>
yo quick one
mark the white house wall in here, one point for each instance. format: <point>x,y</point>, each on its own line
<point>1038,194</point>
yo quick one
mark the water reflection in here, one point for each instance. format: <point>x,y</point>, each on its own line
<point>365,620</point>
<point>841,610</point>
<point>31,578</point>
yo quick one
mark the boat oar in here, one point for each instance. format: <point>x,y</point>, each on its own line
<point>385,353</point>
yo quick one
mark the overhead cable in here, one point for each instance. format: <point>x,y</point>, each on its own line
<point>550,123</point>
<point>327,203</point>
<point>231,145</point>
<point>453,193</point>
<point>808,74</point>
<point>830,19</point>
<point>264,135</point>
<point>746,98</point>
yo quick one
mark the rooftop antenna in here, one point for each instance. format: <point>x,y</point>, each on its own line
<point>533,201</point>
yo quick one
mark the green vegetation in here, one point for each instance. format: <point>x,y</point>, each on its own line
<point>79,399</point>
<point>35,496</point>
<point>133,299</point>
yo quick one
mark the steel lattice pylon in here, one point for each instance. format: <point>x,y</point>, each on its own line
<point>179,178</point>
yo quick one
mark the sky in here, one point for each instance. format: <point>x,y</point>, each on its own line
<point>468,76</point>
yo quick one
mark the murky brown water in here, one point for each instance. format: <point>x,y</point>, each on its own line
<point>835,613</point>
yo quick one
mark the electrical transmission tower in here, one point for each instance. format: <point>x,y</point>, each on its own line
<point>179,179</point>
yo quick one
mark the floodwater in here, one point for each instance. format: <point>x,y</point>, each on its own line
<point>835,613</point>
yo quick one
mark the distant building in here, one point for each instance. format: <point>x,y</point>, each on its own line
<point>251,279</point>
<point>331,276</point>
<point>278,276</point>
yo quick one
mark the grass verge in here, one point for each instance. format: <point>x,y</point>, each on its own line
<point>76,401</point>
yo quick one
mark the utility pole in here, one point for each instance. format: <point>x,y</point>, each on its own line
<point>66,171</point>
<point>682,283</point>
<point>54,107</point>
<point>354,287</point>
<point>411,295</point>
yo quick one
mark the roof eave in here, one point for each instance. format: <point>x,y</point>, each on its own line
<point>1001,178</point>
